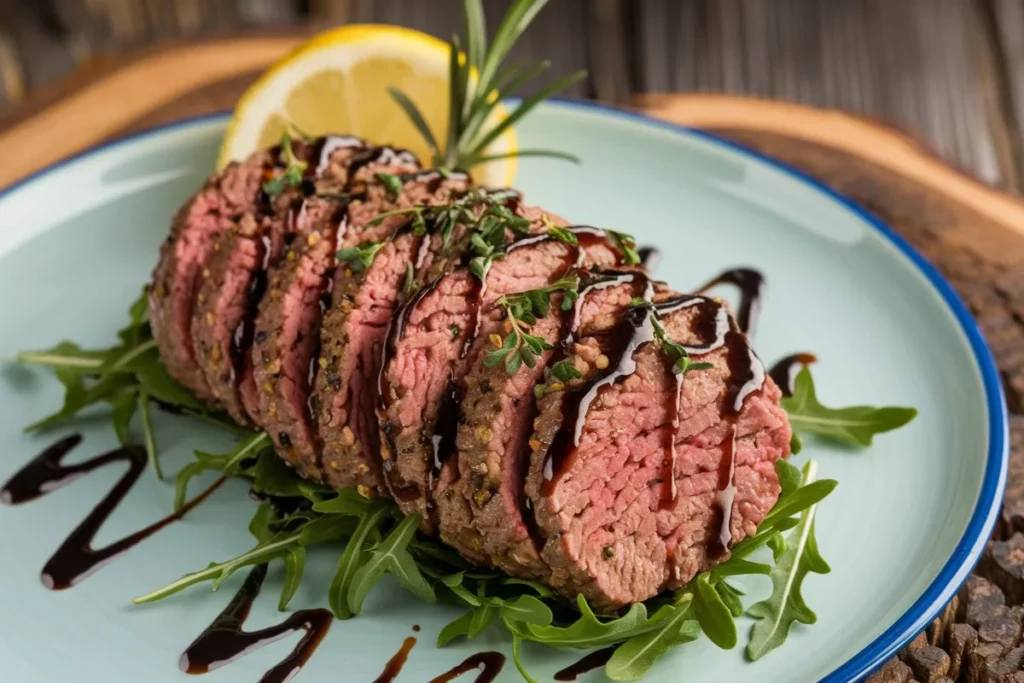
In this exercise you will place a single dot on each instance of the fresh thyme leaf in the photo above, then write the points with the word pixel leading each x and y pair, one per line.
pixel 391 556
pixel 564 371
pixel 854 425
pixel 521 310
pixel 292 174
pixel 627 244
pixel 392 182
pixel 564 235
pixel 786 604
pixel 795 444
pixel 351 560
pixel 359 258
pixel 633 659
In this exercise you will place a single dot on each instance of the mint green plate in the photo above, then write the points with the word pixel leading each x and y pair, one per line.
pixel 901 532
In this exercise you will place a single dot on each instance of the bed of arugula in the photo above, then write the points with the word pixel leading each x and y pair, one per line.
pixel 374 539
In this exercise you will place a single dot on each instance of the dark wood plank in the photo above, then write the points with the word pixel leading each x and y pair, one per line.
pixel 898 61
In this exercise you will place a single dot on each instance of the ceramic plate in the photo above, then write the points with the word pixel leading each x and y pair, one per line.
pixel 901 532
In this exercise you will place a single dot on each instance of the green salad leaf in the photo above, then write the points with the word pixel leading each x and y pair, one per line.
pixel 855 425
pixel 786 605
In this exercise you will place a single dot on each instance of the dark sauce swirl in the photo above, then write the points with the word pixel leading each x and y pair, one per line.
pixel 76 559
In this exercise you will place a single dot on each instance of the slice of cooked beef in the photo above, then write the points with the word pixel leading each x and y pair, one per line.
pixel 436 339
pixel 287 329
pixel 226 199
pixel 495 524
pixel 641 477
pixel 355 325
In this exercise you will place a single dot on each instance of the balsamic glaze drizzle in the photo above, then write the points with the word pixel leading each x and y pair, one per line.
pixel 489 663
pixel 785 371
pixel 650 258
pixel 751 285
pixel 76 559
pixel 633 332
pixel 589 662
pixel 395 664
pixel 224 641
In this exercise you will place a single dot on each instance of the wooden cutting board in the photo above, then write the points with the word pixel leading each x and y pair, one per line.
pixel 973 233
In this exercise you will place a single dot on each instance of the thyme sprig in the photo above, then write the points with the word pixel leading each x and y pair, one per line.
pixel 478 81
pixel 682 362
pixel 485 214
pixel 293 171
pixel 360 257
pixel 521 311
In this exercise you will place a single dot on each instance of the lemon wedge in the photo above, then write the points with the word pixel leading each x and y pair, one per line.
pixel 337 82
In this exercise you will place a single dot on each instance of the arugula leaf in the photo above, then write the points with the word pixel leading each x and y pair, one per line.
pixel 294 567
pixel 714 616
pixel 391 556
pixel 588 631
pixel 786 605
pixel 148 438
pixel 854 425
pixel 272 477
pixel 731 598
pixel 517 643
pixel 526 609
pixel 229 463
pixel 454 629
pixel 633 659
pixel 123 405
pixel 353 557
pixel 359 258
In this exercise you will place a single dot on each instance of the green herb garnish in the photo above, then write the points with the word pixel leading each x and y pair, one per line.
pixel 626 244
pixel 682 363
pixel 854 425
pixel 359 258
pixel 478 82
pixel 798 557
pixel 292 174
pixel 392 183
pixel 521 311
pixel 564 235
pixel 565 371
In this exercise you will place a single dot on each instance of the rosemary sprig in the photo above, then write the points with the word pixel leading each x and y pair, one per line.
pixel 292 174
pixel 521 311
pixel 478 82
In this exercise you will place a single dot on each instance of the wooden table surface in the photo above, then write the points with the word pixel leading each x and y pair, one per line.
pixel 950 76
pixel 950 71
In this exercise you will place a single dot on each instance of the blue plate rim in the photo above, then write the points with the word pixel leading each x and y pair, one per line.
pixel 968 550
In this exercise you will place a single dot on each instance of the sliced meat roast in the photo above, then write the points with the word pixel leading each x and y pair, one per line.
pixel 287 328
pixel 226 200
pixel 641 476
pixel 437 336
pixel 364 297
pixel 357 308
